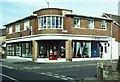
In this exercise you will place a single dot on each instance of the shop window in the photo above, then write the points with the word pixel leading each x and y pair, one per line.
pixel 26 49
pixel 18 49
pixel 10 50
pixel 81 49
pixel 105 48
pixel 42 49
pixel 62 51
pixel 85 49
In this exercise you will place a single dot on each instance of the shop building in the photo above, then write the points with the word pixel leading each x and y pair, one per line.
pixel 55 33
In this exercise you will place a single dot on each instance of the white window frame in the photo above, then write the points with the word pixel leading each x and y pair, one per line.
pixel 51 27
pixel 10 30
pixel 77 25
pixel 26 24
pixel 17 28
pixel 104 22
pixel 90 26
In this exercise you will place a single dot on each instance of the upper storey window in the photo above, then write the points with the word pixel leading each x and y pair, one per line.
pixel 76 22
pixel 17 28
pixel 91 24
pixel 10 30
pixel 103 24
pixel 26 25
pixel 50 22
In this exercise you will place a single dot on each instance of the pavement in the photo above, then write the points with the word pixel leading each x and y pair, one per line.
pixel 23 64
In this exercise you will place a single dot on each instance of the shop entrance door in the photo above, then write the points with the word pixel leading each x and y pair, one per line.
pixel 53 52
pixel 95 49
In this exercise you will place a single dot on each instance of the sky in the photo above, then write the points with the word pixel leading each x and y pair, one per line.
pixel 13 10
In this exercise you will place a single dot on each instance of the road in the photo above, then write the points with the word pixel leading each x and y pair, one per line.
pixel 44 72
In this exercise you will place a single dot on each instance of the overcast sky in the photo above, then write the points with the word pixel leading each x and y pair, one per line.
pixel 16 9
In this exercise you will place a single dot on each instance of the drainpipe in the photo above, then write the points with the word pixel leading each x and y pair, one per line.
pixel 111 41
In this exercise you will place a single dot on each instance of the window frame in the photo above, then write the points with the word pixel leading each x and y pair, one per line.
pixel 17 27
pixel 26 25
pixel 104 22
pixel 89 25
pixel 10 30
pixel 77 25
pixel 45 26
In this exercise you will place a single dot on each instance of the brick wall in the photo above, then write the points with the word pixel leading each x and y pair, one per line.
pixel 84 30
pixel 68 24
pixel 23 32
pixel 49 12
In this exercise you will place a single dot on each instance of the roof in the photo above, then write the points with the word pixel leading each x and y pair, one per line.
pixel 114 17
pixel 51 8
pixel 25 18
pixel 3 44
pixel 83 16
pixel 3 32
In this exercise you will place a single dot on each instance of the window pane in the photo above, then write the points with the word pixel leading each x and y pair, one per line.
pixel 41 22
pixel 56 22
pixel 17 28
pixel 48 22
pixel 76 22
pixel 53 22
pixel 26 25
pixel 27 45
pixel 23 48
pixel 103 24
pixel 60 22
pixel 91 23
pixel 10 29
pixel 44 23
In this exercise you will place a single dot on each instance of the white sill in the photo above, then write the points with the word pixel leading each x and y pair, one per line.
pixel 50 28
pixel 76 27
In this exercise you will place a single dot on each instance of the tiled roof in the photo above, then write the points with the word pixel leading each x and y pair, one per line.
pixel 114 17
pixel 83 16
pixel 25 18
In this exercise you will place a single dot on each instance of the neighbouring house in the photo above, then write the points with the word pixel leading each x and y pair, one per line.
pixel 2 43
pixel 115 32
pixel 54 33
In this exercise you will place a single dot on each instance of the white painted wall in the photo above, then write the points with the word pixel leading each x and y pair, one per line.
pixel 119 48
pixel 115 49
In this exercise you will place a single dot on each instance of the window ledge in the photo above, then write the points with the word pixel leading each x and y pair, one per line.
pixel 64 31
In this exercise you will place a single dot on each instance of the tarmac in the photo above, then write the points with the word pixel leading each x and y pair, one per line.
pixel 25 64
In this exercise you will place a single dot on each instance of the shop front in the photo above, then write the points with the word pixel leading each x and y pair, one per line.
pixel 21 49
pixel 51 49
pixel 59 47
pixel 89 49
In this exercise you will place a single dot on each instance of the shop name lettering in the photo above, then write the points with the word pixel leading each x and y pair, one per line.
pixel 96 38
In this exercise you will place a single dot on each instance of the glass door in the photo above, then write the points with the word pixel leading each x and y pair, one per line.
pixel 53 52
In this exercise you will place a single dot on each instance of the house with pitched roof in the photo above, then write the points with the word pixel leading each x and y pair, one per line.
pixel 115 32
